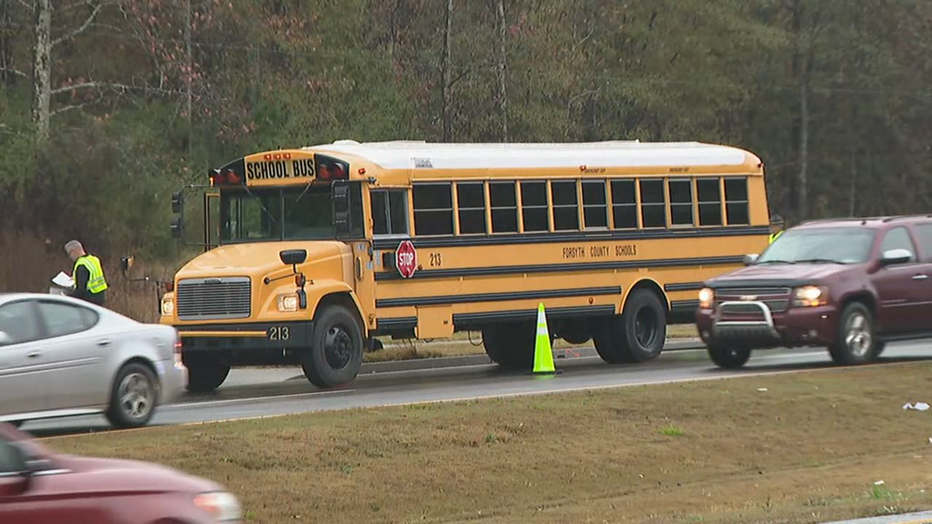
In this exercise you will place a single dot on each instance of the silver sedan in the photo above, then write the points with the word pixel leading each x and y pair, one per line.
pixel 61 356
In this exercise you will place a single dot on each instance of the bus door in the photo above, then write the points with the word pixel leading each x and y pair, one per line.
pixel 349 226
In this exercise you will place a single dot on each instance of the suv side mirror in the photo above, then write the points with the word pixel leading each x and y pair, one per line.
pixel 293 257
pixel 750 259
pixel 894 257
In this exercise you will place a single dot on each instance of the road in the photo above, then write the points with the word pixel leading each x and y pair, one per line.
pixel 269 392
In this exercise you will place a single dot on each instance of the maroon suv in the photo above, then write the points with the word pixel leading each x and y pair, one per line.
pixel 851 285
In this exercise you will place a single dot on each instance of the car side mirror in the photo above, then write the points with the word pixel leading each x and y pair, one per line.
pixel 894 257
pixel 293 257
pixel 750 259
pixel 5 339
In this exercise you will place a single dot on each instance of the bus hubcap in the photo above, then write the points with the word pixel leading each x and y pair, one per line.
pixel 645 327
pixel 338 348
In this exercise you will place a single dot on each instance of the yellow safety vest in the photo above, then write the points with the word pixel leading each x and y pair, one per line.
pixel 95 282
pixel 775 236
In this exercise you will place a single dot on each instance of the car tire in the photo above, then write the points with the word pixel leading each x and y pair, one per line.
pixel 729 357
pixel 638 334
pixel 205 372
pixel 133 397
pixel 335 355
pixel 856 341
pixel 511 346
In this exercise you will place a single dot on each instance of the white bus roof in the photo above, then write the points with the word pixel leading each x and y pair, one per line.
pixel 412 154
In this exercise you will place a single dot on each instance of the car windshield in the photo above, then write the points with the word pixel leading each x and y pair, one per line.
pixel 276 214
pixel 830 245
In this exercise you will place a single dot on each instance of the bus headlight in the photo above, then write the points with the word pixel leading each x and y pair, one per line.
pixel 287 303
pixel 811 296
pixel 706 298
pixel 168 306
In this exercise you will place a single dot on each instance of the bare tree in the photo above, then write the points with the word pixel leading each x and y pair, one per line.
pixel 446 66
pixel 500 69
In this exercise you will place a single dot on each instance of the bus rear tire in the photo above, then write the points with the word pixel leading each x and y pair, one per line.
pixel 638 334
pixel 511 346
pixel 335 355
pixel 205 372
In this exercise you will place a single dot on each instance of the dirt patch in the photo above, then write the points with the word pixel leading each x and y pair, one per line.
pixel 805 447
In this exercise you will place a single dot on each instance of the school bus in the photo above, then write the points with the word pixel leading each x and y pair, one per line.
pixel 323 248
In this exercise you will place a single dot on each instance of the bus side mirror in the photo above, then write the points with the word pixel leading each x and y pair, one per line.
pixel 177 227
pixel 293 257
pixel 177 202
pixel 127 263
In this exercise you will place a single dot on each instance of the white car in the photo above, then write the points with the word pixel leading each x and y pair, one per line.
pixel 61 356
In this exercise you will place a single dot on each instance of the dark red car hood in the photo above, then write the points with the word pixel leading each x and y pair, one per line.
pixel 780 274
pixel 93 475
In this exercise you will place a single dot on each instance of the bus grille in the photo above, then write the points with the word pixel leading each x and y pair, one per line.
pixel 213 298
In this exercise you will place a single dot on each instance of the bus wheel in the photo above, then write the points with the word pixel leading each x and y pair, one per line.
pixel 511 346
pixel 335 355
pixel 205 372
pixel 638 334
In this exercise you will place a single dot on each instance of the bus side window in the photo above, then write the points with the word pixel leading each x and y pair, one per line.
pixel 653 203
pixel 389 212
pixel 595 211
pixel 470 201
pixel 565 205
pixel 534 206
pixel 624 204
pixel 433 209
pixel 504 207
pixel 710 201
pixel 736 201
pixel 681 202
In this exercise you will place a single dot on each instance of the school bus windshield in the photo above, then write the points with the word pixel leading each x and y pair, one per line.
pixel 276 214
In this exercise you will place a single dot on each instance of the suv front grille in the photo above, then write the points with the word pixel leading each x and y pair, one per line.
pixel 776 298
pixel 213 298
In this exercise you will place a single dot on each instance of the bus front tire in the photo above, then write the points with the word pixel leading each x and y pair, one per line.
pixel 205 372
pixel 335 355
pixel 638 334
pixel 511 346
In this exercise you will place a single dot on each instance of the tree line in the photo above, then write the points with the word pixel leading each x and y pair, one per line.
pixel 109 105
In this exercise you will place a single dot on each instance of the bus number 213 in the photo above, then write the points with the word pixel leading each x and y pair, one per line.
pixel 436 260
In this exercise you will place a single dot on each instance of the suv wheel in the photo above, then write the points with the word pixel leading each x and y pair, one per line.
pixel 729 357
pixel 855 342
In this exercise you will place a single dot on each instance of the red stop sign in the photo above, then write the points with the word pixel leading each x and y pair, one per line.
pixel 406 259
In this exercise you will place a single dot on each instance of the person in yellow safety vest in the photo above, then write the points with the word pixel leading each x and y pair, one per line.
pixel 88 275
pixel 776 227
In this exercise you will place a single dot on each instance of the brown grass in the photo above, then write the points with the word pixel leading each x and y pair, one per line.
pixel 806 450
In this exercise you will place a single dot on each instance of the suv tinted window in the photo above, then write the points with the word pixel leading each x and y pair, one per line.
pixel 898 239
pixel 18 322
pixel 65 319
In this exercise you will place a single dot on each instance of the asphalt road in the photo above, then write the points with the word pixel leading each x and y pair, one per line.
pixel 269 392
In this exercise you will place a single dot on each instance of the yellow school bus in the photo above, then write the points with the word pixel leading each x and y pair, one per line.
pixel 321 249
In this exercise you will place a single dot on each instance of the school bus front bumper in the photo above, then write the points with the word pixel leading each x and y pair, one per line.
pixel 270 337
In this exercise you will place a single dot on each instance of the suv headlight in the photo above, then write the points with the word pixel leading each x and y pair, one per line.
pixel 810 296
pixel 220 505
pixel 168 306
pixel 706 298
